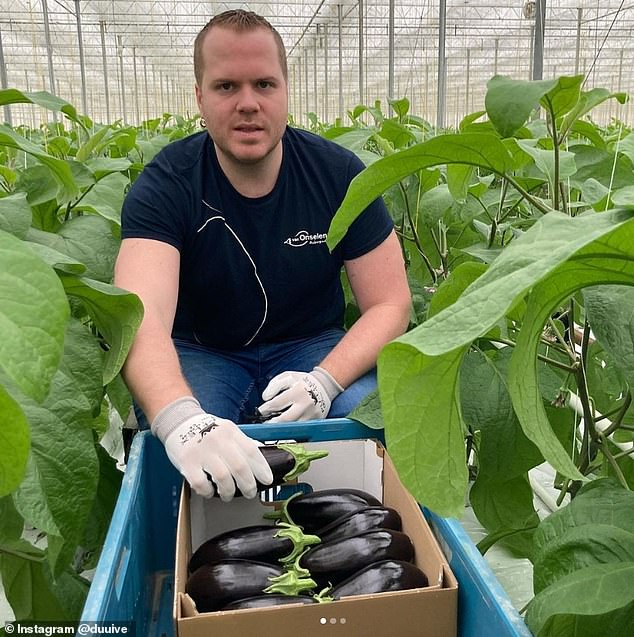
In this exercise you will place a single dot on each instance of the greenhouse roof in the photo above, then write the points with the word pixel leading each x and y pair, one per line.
pixel 135 56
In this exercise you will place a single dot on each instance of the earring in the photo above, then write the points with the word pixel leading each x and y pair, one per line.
pixel 203 123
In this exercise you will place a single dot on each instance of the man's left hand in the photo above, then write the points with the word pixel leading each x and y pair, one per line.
pixel 293 396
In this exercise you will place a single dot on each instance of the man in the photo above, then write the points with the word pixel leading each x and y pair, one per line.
pixel 224 241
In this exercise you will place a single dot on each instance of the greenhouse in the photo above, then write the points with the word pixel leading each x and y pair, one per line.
pixel 133 60
pixel 316 318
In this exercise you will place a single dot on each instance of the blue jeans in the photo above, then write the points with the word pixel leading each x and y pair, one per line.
pixel 229 384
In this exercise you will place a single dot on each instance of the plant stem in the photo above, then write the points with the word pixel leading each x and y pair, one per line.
pixel 545 359
pixel 616 423
pixel 552 127
pixel 541 206
pixel 613 463
pixel 498 215
pixel 22 555
pixel 416 238
pixel 589 430
pixel 563 491
pixel 562 340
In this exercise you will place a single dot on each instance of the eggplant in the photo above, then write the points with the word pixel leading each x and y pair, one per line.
pixel 263 601
pixel 381 577
pixel 312 511
pixel 216 585
pixel 366 519
pixel 335 561
pixel 261 543
pixel 287 461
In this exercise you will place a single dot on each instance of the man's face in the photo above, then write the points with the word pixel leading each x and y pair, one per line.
pixel 243 94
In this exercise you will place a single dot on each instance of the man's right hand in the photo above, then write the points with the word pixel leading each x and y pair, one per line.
pixel 209 451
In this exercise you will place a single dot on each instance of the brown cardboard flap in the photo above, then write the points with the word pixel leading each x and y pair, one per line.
pixel 187 606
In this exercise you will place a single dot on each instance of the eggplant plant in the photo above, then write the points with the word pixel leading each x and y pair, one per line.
pixel 518 234
pixel 66 331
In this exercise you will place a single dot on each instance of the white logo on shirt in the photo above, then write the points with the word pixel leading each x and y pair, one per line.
pixel 303 237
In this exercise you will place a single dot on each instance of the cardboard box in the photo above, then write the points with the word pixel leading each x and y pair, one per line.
pixel 359 464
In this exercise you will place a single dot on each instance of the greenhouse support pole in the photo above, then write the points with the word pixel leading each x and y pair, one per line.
pixel 82 61
pixel 145 86
pixel 326 97
pixel 442 66
pixel 538 47
pixel 390 54
pixel 306 102
pixel 4 82
pixel 136 87
pixel 121 80
pixel 315 88
pixel 578 46
pixel 497 53
pixel 468 83
pixel 361 11
pixel 49 53
pixel 530 52
pixel 162 92
pixel 340 34
pixel 300 92
pixel 102 30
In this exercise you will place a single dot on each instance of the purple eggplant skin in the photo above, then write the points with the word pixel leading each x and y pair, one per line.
pixel 247 543
pixel 381 577
pixel 216 585
pixel 312 511
pixel 335 561
pixel 268 599
pixel 366 519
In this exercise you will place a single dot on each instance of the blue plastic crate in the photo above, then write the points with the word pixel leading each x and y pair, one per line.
pixel 134 578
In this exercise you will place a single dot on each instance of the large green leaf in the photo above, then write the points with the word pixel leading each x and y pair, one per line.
pixel 15 214
pixel 418 371
pixel 545 161
pixel 552 240
pixel 57 260
pixel 607 259
pixel 41 98
pixel 610 312
pixel 21 579
pixel 581 546
pixel 423 429
pixel 602 501
pixel 509 102
pixel 587 101
pixel 103 506
pixel 14 443
pixel 613 172
pixel 60 168
pixel 435 203
pixel 594 590
pixel 106 198
pixel 87 239
pixel 59 487
pixel 474 149
pixel 501 496
pixel 33 315
pixel 91 145
pixel 116 313
pixel 103 166
pixel 368 411
pixel 564 96
pixel 38 183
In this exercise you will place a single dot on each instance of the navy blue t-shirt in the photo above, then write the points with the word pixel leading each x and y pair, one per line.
pixel 253 270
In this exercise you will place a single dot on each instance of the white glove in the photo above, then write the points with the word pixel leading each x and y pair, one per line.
pixel 299 396
pixel 208 450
